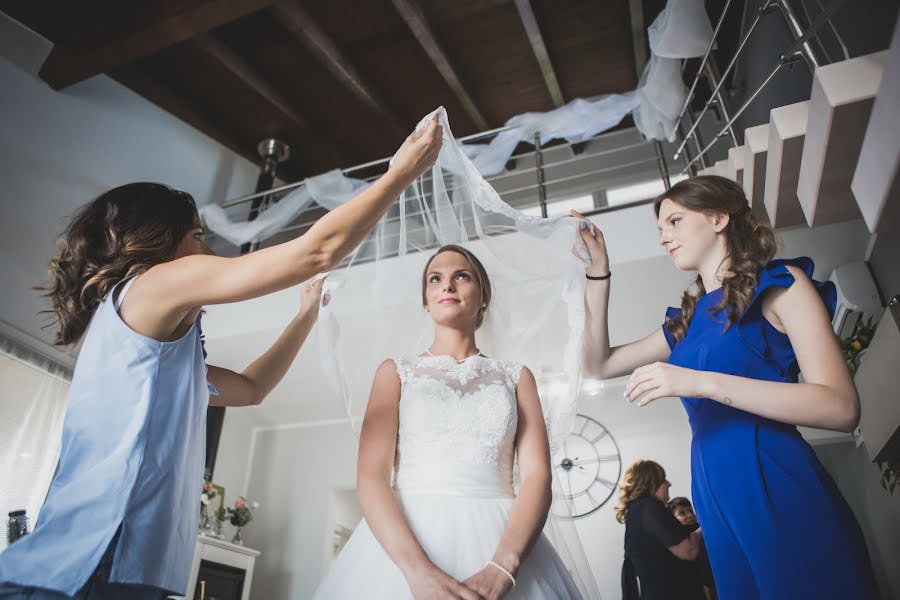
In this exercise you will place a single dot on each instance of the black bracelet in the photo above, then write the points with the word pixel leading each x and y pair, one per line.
pixel 607 276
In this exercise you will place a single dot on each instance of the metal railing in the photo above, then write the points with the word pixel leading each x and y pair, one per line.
pixel 801 50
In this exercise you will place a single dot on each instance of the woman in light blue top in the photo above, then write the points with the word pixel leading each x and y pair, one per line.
pixel 130 282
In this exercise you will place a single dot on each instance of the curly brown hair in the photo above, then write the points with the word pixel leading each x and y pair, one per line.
pixel 481 277
pixel 641 480
pixel 749 243
pixel 122 233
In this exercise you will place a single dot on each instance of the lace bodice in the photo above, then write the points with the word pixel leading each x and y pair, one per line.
pixel 457 422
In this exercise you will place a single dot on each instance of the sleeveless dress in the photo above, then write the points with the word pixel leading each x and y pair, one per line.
pixel 130 467
pixel 774 523
pixel 453 478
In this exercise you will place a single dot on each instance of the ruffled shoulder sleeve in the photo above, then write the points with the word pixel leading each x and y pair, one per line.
pixel 752 324
pixel 671 314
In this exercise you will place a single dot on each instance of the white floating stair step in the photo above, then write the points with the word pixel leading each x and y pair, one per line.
pixel 736 164
pixel 876 183
pixel 707 171
pixel 839 107
pixel 787 130
pixel 756 146
pixel 721 168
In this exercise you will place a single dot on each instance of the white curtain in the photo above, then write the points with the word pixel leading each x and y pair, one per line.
pixel 32 407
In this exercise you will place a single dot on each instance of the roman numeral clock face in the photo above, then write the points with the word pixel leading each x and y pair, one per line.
pixel 588 465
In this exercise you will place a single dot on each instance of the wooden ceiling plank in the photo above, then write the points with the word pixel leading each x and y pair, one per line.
pixel 533 30
pixel 414 18
pixel 247 74
pixel 309 33
pixel 114 44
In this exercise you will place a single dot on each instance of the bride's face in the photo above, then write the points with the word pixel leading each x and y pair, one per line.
pixel 451 290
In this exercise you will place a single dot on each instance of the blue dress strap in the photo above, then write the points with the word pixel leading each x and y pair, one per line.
pixel 672 313
pixel 752 325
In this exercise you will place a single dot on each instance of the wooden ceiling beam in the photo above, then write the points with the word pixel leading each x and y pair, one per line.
pixel 115 43
pixel 238 67
pixel 414 18
pixel 533 30
pixel 309 33
pixel 241 69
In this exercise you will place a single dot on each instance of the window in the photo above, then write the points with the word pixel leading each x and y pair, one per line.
pixel 556 208
pixel 639 191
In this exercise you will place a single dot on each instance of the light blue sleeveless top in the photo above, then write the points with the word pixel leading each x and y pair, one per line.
pixel 133 450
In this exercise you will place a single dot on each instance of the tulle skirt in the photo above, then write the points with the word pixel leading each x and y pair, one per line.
pixel 460 536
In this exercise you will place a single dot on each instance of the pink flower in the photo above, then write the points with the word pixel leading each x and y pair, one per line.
pixel 240 503
pixel 207 486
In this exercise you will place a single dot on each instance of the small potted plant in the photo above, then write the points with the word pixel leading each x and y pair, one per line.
pixel 239 516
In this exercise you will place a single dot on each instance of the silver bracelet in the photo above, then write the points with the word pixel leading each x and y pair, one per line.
pixel 504 571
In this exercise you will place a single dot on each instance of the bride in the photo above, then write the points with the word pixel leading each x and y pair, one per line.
pixel 435 467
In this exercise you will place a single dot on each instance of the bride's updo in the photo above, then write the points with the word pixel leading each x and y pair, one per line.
pixel 478 270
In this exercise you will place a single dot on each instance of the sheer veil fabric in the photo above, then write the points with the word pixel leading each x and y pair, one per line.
pixel 535 317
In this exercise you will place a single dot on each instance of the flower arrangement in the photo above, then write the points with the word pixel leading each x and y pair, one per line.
pixel 855 345
pixel 207 493
pixel 240 515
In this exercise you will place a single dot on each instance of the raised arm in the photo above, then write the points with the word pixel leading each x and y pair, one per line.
pixel 600 361
pixel 253 384
pixel 529 511
pixel 203 280
pixel 382 510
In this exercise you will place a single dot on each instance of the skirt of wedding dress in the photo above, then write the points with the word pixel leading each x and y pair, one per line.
pixel 460 536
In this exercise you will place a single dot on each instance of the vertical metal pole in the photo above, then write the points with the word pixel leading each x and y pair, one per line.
pixel 688 163
pixel 698 141
pixel 539 164
pixel 272 153
pixel 713 76
pixel 661 161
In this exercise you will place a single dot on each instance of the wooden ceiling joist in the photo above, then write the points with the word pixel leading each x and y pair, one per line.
pixel 414 18
pixel 305 29
pixel 117 42
pixel 533 30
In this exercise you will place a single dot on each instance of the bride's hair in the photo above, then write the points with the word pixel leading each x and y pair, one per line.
pixel 749 244
pixel 481 276
pixel 641 480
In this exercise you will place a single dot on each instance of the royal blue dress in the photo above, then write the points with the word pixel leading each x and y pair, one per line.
pixel 774 523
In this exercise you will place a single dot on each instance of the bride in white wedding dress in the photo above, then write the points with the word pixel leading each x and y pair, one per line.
pixel 435 467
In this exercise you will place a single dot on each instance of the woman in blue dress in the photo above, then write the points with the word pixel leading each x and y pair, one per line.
pixel 774 522
pixel 129 284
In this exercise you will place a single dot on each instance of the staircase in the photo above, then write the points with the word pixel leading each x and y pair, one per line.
pixel 833 158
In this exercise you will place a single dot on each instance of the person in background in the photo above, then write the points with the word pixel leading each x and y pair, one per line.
pixel 683 510
pixel 659 551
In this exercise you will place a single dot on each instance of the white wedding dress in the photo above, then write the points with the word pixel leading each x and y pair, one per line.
pixel 453 475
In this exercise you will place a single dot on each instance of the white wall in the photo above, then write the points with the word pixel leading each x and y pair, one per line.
pixel 59 150
pixel 876 510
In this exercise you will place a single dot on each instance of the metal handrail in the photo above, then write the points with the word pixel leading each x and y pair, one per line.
pixel 712 42
pixel 799 51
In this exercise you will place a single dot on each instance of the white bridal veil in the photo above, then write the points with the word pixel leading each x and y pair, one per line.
pixel 536 314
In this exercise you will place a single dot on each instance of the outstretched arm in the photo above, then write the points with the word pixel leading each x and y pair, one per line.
pixel 256 381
